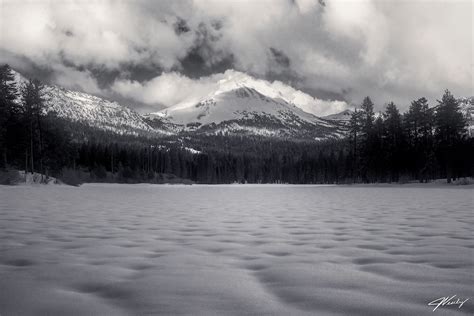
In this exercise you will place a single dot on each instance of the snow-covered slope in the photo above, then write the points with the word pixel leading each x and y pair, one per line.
pixel 91 110
pixel 94 111
pixel 343 117
pixel 246 110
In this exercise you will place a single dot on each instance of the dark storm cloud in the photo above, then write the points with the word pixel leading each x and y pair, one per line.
pixel 180 26
pixel 204 57
pixel 26 66
pixel 280 58
pixel 333 49
pixel 195 65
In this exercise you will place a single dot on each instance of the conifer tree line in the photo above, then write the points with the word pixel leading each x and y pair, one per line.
pixel 30 139
pixel 422 144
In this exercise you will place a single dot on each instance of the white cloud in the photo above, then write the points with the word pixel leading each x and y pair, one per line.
pixel 104 33
pixel 391 50
pixel 168 89
pixel 307 6
pixel 77 80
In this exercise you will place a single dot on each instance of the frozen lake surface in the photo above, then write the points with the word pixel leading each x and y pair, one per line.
pixel 235 250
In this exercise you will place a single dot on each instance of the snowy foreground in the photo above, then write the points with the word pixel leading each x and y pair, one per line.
pixel 233 250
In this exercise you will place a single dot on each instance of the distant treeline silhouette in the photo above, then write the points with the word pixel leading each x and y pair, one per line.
pixel 422 144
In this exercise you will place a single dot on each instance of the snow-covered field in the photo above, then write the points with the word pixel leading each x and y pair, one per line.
pixel 235 250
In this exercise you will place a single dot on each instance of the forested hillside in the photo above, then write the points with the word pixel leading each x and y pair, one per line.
pixel 427 142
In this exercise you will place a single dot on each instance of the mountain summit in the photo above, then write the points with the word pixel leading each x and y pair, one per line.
pixel 244 110
pixel 233 80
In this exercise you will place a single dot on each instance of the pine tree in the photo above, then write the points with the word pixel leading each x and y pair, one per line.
pixel 33 107
pixel 380 163
pixel 450 123
pixel 368 155
pixel 418 124
pixel 393 139
pixel 368 116
pixel 355 129
pixel 450 129
pixel 418 121
pixel 8 94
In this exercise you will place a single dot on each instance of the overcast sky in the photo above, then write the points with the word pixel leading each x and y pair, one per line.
pixel 154 54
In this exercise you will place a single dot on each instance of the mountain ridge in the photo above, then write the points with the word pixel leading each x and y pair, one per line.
pixel 231 109
pixel 235 110
pixel 91 110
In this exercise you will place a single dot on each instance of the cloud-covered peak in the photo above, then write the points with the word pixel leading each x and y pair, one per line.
pixel 178 91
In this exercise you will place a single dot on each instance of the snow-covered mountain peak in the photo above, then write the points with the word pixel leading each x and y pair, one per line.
pixel 278 90
pixel 233 80
pixel 226 105
pixel 246 110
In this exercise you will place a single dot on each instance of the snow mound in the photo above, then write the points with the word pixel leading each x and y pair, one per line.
pixel 20 177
